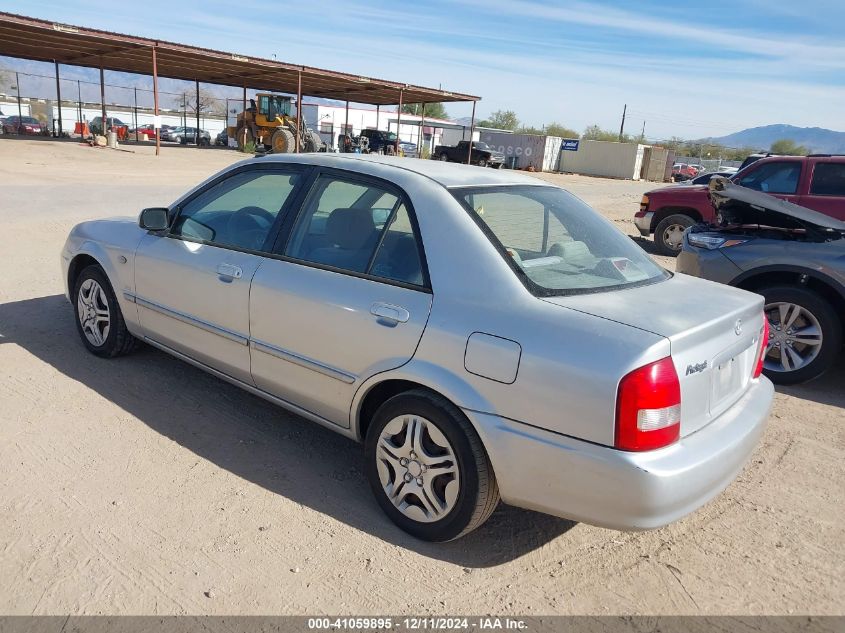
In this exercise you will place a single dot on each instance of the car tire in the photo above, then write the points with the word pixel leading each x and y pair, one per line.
pixel 93 298
pixel 421 432
pixel 482 163
pixel 814 313
pixel 444 157
pixel 669 231
pixel 177 139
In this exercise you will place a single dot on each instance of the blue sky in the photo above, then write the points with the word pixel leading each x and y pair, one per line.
pixel 706 69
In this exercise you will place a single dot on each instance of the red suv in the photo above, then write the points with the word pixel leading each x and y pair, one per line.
pixel 816 182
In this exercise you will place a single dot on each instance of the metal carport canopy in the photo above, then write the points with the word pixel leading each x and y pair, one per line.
pixel 42 40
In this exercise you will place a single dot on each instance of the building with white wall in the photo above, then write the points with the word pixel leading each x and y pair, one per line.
pixel 329 121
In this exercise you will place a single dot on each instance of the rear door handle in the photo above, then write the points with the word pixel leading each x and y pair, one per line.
pixel 230 270
pixel 390 312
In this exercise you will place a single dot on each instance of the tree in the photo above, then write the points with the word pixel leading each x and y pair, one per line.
pixel 529 130
pixel 595 133
pixel 556 129
pixel 788 147
pixel 432 110
pixel 502 120
pixel 208 103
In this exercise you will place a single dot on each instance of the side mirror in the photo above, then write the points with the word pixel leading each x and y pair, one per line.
pixel 154 219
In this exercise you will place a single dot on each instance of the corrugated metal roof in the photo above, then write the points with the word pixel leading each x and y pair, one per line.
pixel 42 40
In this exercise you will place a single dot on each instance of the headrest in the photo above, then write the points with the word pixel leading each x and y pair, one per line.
pixel 350 228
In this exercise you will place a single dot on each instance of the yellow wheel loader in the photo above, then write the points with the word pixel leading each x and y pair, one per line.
pixel 268 122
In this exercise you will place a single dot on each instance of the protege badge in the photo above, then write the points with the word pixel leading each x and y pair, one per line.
pixel 694 369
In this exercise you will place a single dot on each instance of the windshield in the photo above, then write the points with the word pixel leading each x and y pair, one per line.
pixel 555 242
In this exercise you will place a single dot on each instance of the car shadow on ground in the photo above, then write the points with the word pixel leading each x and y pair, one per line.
pixel 826 389
pixel 647 245
pixel 252 438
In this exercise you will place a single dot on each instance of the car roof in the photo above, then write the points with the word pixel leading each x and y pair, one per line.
pixel 446 174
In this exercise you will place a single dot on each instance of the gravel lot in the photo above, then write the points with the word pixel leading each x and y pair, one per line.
pixel 144 486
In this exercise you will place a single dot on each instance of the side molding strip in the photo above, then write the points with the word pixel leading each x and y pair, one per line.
pixel 190 320
pixel 260 346
pixel 307 363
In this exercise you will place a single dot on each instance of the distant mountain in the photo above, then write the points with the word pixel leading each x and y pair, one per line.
pixel 816 139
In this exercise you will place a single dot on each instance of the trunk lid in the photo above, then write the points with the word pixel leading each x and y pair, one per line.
pixel 713 331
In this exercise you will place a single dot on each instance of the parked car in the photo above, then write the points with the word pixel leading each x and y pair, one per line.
pixel 482 154
pixel 505 342
pixel 408 149
pixel 753 158
pixel 682 171
pixel 185 135
pixel 112 123
pixel 26 125
pixel 172 133
pixel 148 129
pixel 810 181
pixel 794 257
pixel 222 138
pixel 704 179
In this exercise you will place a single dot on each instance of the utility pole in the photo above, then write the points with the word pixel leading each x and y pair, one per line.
pixel 58 99
pixel 197 135
pixel 135 112
pixel 642 134
pixel 18 89
pixel 622 127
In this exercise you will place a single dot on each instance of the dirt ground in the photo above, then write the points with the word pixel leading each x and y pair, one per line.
pixel 144 486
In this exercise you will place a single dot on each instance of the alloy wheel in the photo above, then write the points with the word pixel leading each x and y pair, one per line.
pixel 795 337
pixel 417 468
pixel 93 312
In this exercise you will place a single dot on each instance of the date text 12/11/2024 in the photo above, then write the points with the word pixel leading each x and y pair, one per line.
pixel 417 623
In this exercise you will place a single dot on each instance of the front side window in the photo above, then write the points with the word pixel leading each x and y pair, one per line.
pixel 238 212
pixel 357 227
pixel 555 242
pixel 828 179
pixel 774 177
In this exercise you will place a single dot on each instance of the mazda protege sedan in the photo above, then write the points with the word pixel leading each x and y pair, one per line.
pixel 484 334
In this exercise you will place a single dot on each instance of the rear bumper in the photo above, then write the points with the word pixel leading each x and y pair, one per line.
pixel 643 223
pixel 562 476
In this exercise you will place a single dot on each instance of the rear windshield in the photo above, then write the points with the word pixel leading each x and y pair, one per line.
pixel 555 242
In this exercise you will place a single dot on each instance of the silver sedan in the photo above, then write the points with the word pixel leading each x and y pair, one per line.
pixel 485 335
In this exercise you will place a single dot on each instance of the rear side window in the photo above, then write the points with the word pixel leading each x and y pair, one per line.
pixel 775 177
pixel 828 179
pixel 357 227
pixel 398 256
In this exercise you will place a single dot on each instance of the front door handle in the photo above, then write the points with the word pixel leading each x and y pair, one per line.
pixel 390 312
pixel 230 270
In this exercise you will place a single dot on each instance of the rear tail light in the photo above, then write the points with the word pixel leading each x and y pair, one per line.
pixel 644 204
pixel 764 342
pixel 648 407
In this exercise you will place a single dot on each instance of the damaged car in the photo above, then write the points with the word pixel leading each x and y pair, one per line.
pixel 793 256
